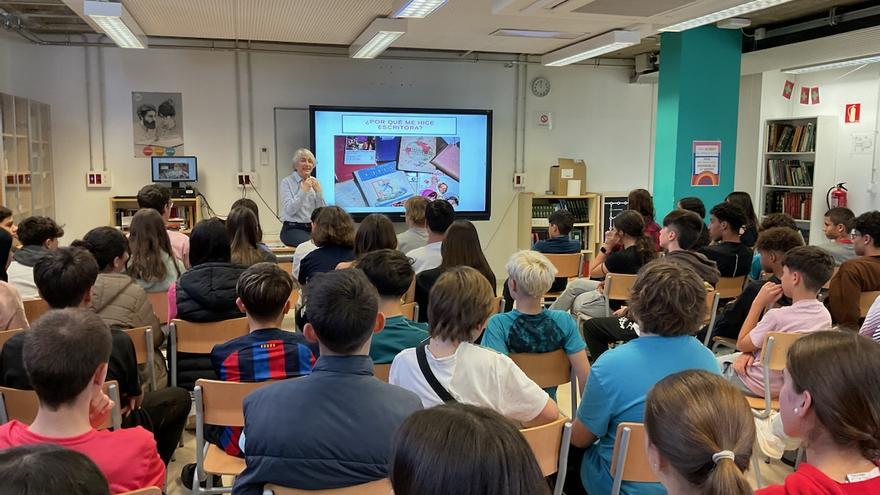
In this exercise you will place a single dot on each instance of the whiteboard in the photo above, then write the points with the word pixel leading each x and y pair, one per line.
pixel 292 132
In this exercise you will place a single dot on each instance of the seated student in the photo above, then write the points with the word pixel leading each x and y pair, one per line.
pixel 340 401
pixel 461 302
pixel 158 198
pixel 460 247
pixel 857 275
pixel 462 449
pixel 681 230
pixel 11 308
pixel 733 257
pixel 68 385
pixel 641 201
pixel 304 248
pixel 152 263
pixel 375 232
pixel 439 215
pixel 700 434
pixel 243 230
pixel 416 233
pixel 23 470
pixel 7 221
pixel 836 228
pixel 391 274
pixel 584 295
pixel 530 328
pixel 871 326
pixel 334 236
pixel 749 230
pixel 694 204
pixel 770 221
pixel 662 303
pixel 804 271
pixel 252 205
pixel 38 236
pixel 831 401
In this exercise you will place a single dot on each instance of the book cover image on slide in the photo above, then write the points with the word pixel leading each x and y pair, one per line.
pixel 384 185
pixel 434 185
pixel 448 159
pixel 416 153
pixel 348 194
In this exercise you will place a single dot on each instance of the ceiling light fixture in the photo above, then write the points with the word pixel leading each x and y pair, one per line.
pixel 536 33
pixel 738 10
pixel 415 8
pixel 593 47
pixel 116 22
pixel 870 59
pixel 377 37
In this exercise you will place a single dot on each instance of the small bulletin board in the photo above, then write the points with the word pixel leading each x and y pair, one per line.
pixel 612 205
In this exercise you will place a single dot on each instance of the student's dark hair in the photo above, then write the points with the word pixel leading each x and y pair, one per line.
pixel 867 223
pixel 250 205
pixel 342 307
pixel 460 300
pixel 24 471
pixel 730 213
pixel 105 243
pixel 61 352
pixel 694 204
pixel 778 220
pixel 6 242
pixel 779 239
pixel 470 450
pixel 5 213
pixel 563 220
pixel 64 276
pixel 744 201
pixel 317 211
pixel 264 288
pixel 692 415
pixel 686 225
pixel 664 296
pixel 34 231
pixel 461 247
pixel 209 242
pixel 838 216
pixel 632 223
pixel 813 263
pixel 244 234
pixel 148 239
pixel 641 201
pixel 439 215
pixel 333 227
pixel 841 370
pixel 155 197
pixel 375 232
pixel 389 270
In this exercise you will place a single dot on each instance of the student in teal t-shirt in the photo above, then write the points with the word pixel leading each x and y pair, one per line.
pixel 392 274
pixel 662 303
pixel 530 328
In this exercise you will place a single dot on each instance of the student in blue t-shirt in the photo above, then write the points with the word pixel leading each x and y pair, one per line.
pixel 391 272
pixel 530 328
pixel 662 303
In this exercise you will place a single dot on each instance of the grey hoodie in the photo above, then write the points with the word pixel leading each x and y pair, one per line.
pixel 707 269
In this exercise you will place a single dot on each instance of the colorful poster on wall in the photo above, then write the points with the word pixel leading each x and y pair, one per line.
pixel 157 120
pixel 707 159
pixel 787 89
pixel 805 96
pixel 814 95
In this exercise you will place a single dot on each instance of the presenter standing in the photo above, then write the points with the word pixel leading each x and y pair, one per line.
pixel 300 193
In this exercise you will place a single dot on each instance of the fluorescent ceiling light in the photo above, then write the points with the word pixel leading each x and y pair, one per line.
pixel 377 37
pixel 593 47
pixel 871 59
pixel 741 9
pixel 415 8
pixel 116 22
pixel 535 33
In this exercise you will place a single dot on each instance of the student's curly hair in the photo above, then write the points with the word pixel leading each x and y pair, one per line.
pixel 779 239
pixel 867 223
pixel 664 297
pixel 333 227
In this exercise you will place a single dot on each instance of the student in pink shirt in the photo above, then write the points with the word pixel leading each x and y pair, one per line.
pixel 159 199
pixel 805 270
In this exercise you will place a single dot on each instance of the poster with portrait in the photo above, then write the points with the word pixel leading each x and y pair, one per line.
pixel 157 120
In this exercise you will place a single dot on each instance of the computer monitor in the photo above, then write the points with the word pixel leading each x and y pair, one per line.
pixel 174 169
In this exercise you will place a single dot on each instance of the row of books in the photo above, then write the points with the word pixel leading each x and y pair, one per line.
pixel 577 207
pixel 789 173
pixel 796 204
pixel 791 138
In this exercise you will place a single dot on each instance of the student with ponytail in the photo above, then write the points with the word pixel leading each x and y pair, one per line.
pixel 700 435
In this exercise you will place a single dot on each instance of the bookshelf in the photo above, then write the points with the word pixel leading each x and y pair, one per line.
pixel 534 210
pixel 797 169
pixel 185 213
pixel 26 157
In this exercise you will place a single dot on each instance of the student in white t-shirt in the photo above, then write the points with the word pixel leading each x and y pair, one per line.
pixel 306 247
pixel 461 301
pixel 439 215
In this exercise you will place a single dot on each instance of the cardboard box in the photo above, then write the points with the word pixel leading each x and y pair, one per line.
pixel 565 170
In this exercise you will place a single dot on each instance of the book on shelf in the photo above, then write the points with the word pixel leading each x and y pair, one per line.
pixel 788 138
pixel 796 204
pixel 789 173
pixel 578 208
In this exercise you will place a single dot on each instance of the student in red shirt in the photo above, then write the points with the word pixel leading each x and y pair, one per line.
pixel 831 400
pixel 66 354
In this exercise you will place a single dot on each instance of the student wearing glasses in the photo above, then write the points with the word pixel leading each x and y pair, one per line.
pixel 857 275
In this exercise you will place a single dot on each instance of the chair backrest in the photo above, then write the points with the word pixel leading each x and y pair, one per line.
pixel 629 448
pixel 202 337
pixel 287 266
pixel 22 405
pixel 293 298
pixel 139 337
pixel 618 286
pixel 775 351
pixel 567 265
pixel 546 442
pixel 378 487
pixel 150 490
pixel 223 402
pixel 499 305
pixel 410 310
pixel 382 371
pixel 712 297
pixel 730 287
pixel 34 308
pixel 866 299
pixel 8 334
pixel 547 369
pixel 159 302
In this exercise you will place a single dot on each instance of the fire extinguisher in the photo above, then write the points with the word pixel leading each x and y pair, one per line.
pixel 836 196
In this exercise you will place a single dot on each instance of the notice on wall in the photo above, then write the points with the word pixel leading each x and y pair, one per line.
pixel 862 144
pixel 707 159
pixel 157 119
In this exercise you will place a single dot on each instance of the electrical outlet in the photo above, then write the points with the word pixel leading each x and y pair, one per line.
pixel 264 156
pixel 98 180
pixel 245 179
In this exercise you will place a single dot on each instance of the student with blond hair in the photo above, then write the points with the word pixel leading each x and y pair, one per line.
pixel 416 234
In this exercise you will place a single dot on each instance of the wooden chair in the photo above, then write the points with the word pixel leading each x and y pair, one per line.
pixel 773 357
pixel 712 299
pixel 549 369
pixel 378 487
pixel 382 371
pixel 8 334
pixel 410 310
pixel 34 308
pixel 22 405
pixel 159 302
pixel 618 287
pixel 287 266
pixel 550 445
pixel 866 299
pixel 150 490
pixel 730 287
pixel 629 462
pixel 200 338
pixel 499 306
pixel 142 338
pixel 293 298
pixel 567 265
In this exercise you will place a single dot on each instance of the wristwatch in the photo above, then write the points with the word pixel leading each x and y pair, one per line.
pixel 603 250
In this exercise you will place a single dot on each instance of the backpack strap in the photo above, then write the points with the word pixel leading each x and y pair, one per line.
pixel 422 357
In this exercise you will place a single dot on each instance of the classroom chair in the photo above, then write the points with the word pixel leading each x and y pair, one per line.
pixel 773 358
pixel 378 487
pixel 499 306
pixel 34 308
pixel 410 310
pixel 712 299
pixel 629 462
pixel 618 287
pixel 549 369
pixel 200 338
pixel 730 287
pixel 22 405
pixel 382 371
pixel 568 266
pixel 8 334
pixel 866 299
pixel 159 302
pixel 287 266
pixel 550 444
pixel 150 490
pixel 142 338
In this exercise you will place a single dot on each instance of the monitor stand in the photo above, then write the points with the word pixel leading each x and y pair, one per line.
pixel 182 192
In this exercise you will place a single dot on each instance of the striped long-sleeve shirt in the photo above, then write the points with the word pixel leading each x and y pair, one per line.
pixel 871 326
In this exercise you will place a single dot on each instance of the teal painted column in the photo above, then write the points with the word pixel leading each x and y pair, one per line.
pixel 697 100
